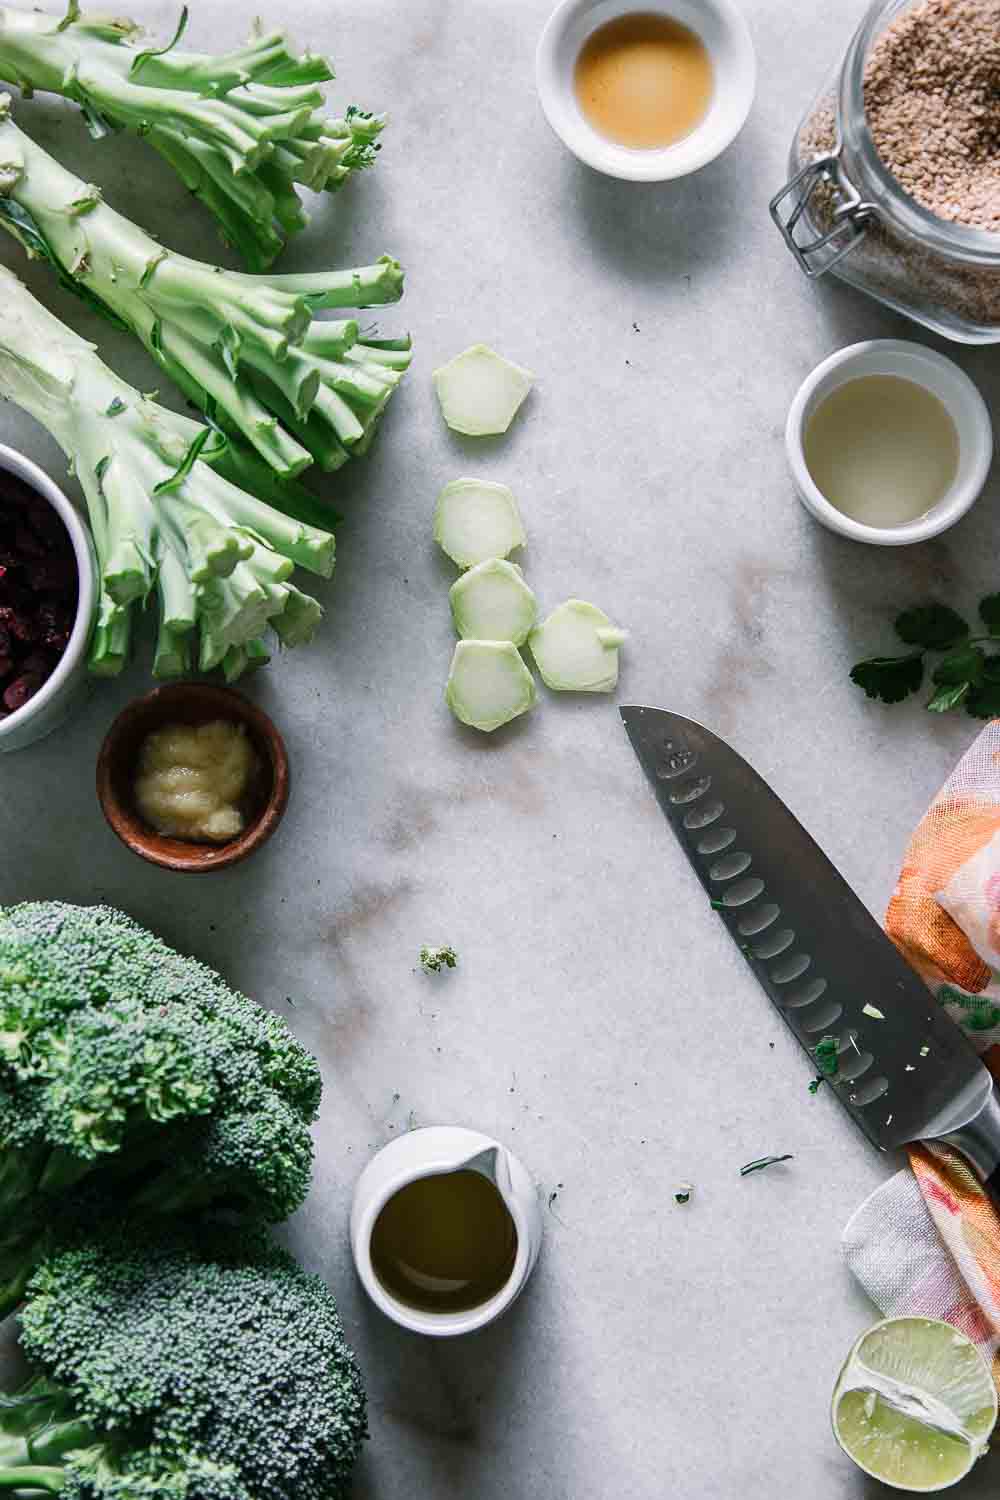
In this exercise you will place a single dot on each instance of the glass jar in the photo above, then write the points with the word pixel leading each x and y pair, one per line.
pixel 843 211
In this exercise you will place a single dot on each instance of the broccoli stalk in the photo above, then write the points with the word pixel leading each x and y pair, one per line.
pixel 241 130
pixel 39 1427
pixel 162 514
pixel 246 349
pixel 181 1366
pixel 130 1071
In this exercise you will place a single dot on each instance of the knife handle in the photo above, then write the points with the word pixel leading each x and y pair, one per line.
pixel 979 1143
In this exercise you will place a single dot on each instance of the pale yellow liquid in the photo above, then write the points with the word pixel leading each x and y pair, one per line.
pixel 881 449
pixel 644 80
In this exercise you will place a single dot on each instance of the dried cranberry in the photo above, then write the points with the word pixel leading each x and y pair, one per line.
pixel 47 525
pixel 27 542
pixel 22 626
pixel 52 574
pixel 38 664
pixel 14 596
pixel 20 690
pixel 55 624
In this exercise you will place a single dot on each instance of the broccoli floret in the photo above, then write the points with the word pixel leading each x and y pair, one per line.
pixel 131 1069
pixel 200 1366
pixel 433 960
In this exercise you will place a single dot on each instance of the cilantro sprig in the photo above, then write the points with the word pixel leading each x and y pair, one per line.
pixel 967 674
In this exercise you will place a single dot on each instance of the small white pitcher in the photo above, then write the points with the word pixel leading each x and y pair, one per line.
pixel 429 1152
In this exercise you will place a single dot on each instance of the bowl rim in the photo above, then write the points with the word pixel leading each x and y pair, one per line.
pixel 181 856
pixel 966 394
pixel 661 164
pixel 23 468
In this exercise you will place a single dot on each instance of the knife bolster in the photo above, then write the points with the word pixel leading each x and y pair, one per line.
pixel 979 1143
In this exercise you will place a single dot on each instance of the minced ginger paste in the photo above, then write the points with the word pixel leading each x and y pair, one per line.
pixel 192 779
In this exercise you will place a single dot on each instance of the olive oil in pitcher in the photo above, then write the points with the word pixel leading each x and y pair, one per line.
pixel 444 1243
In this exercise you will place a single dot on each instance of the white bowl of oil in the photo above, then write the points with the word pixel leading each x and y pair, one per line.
pixel 445 1230
pixel 646 91
pixel 888 442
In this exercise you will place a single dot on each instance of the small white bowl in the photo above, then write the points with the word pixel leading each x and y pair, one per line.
pixel 725 35
pixel 937 374
pixel 59 694
pixel 429 1152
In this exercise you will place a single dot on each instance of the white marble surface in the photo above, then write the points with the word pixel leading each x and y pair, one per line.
pixel 600 1021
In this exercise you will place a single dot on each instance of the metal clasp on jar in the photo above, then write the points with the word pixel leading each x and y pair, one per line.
pixel 849 215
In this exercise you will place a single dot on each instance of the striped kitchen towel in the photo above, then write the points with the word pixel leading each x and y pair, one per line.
pixel 928 1240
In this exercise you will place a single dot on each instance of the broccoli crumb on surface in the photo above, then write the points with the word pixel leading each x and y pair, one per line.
pixel 433 960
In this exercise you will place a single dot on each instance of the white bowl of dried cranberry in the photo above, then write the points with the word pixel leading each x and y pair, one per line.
pixel 48 597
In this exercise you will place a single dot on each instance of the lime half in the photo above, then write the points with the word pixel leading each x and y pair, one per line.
pixel 915 1404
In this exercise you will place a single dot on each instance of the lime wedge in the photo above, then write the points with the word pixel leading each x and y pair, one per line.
pixel 915 1404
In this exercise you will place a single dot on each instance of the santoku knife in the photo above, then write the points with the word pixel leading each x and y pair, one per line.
pixel 905 1072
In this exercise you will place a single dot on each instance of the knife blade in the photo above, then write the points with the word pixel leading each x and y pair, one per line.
pixel 905 1071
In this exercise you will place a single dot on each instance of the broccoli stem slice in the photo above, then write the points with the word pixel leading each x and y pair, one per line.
pixel 241 129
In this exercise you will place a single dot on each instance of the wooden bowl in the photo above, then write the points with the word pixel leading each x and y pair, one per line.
pixel 190 703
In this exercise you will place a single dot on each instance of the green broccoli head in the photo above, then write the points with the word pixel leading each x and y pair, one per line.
pixel 203 1365
pixel 127 1066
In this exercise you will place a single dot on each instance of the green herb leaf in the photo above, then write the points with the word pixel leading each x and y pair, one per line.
pixel 229 345
pixel 116 408
pixel 187 463
pixel 683 1193
pixel 24 228
pixel 979 1012
pixel 827 1051
pixel 890 678
pixel 150 267
pixel 935 626
pixel 989 613
pixel 964 665
pixel 948 697
pixel 143 57
pixel 814 1087
pixel 71 17
pixel 762 1162
pixel 87 201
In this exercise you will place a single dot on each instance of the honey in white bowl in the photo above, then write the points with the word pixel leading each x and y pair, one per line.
pixel 644 80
